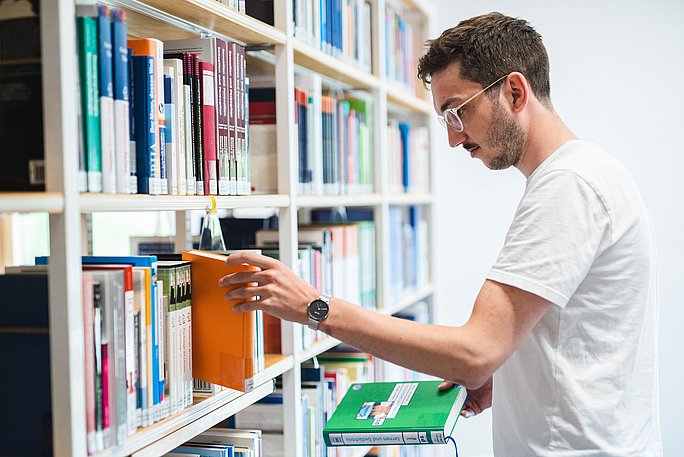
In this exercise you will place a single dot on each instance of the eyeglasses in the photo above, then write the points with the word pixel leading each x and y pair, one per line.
pixel 451 116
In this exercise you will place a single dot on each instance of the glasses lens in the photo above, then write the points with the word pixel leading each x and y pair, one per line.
pixel 454 121
pixel 442 122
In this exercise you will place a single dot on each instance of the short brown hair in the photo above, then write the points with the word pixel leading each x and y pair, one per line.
pixel 489 47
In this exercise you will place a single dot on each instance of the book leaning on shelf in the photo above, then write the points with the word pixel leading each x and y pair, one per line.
pixel 389 413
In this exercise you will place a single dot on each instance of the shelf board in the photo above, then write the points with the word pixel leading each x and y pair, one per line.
pixel 122 202
pixel 31 202
pixel 317 348
pixel 324 201
pixel 408 300
pixel 400 199
pixel 165 19
pixel 404 99
pixel 173 431
pixel 313 59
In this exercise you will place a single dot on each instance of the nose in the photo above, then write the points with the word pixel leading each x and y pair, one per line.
pixel 455 138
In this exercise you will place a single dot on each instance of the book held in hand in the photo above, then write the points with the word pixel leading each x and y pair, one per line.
pixel 392 413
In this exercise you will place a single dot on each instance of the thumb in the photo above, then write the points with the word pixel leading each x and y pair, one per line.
pixel 446 385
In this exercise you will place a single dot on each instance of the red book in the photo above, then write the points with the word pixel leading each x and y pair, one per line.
pixel 208 128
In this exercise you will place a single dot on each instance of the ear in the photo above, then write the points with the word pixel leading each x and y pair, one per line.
pixel 516 91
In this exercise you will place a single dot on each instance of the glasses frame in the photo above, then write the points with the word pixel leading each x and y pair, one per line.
pixel 454 111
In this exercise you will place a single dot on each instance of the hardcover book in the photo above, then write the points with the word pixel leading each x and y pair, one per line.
pixel 392 413
pixel 222 340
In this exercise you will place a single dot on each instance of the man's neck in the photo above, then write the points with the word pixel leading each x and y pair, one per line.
pixel 546 133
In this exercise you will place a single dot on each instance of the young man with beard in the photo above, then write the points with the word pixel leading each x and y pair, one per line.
pixel 562 336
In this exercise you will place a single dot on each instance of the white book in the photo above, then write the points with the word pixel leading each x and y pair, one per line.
pixel 171 128
pixel 179 124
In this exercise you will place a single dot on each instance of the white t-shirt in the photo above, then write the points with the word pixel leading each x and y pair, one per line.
pixel 584 381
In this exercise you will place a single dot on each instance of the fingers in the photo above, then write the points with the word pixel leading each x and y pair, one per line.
pixel 245 293
pixel 251 258
pixel 446 385
pixel 242 277
pixel 468 413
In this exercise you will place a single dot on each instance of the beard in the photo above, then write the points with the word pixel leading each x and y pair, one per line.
pixel 506 137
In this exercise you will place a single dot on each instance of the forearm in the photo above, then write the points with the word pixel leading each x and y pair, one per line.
pixel 451 353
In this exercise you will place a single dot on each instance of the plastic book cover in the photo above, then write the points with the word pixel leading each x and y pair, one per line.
pixel 384 413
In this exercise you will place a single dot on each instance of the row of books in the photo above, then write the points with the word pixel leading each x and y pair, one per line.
pixel 150 327
pixel 323 386
pixel 222 442
pixel 409 158
pixel 409 266
pixel 341 28
pixel 400 61
pixel 160 117
pixel 334 141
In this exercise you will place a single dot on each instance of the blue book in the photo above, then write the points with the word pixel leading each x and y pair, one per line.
pixel 106 83
pixel 404 130
pixel 145 121
pixel 125 182
pixel 205 450
pixel 26 418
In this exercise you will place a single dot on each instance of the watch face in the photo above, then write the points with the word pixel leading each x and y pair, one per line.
pixel 318 309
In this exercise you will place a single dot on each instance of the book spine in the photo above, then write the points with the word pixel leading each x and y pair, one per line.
pixel 89 363
pixel 119 296
pixel 105 60
pixel 208 129
pixel 99 374
pixel 88 72
pixel 121 104
pixel 145 124
pixel 197 108
pixel 132 149
pixel 171 135
pixel 241 127
pixel 384 438
pixel 129 352
pixel 190 179
pixel 158 55
pixel 223 168
pixel 232 119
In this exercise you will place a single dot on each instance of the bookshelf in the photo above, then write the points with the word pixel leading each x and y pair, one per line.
pixel 67 208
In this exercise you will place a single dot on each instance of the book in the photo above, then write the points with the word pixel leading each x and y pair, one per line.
pixel 222 340
pixel 86 28
pixel 391 413
pixel 26 419
pixel 126 182
pixel 21 105
pixel 150 89
pixel 106 81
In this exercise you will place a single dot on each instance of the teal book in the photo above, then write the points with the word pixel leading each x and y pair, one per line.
pixel 394 413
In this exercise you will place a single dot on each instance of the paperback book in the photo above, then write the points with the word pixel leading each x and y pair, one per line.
pixel 395 413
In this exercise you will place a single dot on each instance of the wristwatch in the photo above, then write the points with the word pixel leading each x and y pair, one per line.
pixel 318 310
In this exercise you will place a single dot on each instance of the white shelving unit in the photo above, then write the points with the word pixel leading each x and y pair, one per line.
pixel 166 19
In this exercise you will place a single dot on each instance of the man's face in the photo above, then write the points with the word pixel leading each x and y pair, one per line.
pixel 490 132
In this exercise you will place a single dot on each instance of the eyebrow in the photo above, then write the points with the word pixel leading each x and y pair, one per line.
pixel 448 102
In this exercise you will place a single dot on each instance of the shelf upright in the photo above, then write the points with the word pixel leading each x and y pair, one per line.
pixel 287 223
pixel 382 226
pixel 58 31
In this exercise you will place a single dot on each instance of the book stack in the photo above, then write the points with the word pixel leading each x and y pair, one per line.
pixel 223 442
pixel 400 61
pixel 138 339
pixel 409 158
pixel 341 28
pixel 409 268
pixel 160 117
pixel 328 258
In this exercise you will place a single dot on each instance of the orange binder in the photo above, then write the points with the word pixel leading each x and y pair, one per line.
pixel 222 340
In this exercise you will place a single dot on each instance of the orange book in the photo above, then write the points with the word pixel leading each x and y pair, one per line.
pixel 222 340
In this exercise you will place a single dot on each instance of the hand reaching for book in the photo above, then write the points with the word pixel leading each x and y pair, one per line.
pixel 478 399
pixel 280 291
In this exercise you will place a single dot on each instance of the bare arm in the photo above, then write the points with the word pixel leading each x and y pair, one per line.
pixel 502 316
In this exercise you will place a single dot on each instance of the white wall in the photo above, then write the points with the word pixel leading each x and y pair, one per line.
pixel 617 78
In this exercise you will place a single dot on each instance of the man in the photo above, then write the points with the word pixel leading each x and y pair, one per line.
pixel 563 332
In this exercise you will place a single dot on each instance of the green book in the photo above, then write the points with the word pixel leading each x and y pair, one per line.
pixel 391 413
